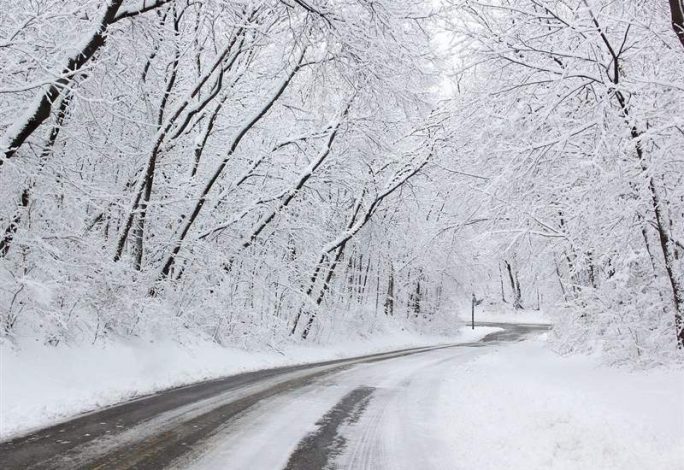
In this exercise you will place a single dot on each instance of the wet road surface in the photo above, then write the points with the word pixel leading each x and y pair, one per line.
pixel 175 427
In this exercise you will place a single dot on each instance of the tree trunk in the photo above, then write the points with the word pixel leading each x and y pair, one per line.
pixel 324 289
pixel 503 291
pixel 42 104
pixel 139 231
pixel 168 264
pixel 515 287
pixel 166 129
pixel 303 178
pixel 667 245
pixel 677 11
pixel 25 198
pixel 560 281
pixel 13 226
pixel 389 298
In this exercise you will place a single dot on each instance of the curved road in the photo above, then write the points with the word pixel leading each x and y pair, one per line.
pixel 293 417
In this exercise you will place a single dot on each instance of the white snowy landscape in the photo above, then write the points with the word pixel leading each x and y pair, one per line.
pixel 342 234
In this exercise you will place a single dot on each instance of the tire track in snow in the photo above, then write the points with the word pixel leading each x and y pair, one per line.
pixel 153 431
pixel 317 449
pixel 391 434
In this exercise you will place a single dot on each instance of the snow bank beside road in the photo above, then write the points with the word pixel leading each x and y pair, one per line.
pixel 41 385
pixel 524 407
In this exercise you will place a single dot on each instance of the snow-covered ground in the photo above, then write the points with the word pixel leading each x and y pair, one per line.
pixel 513 406
pixel 41 385
pixel 524 407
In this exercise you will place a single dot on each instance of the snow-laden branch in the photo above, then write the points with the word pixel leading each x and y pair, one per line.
pixel 401 177
pixel 290 194
pixel 250 172
pixel 141 6
pixel 41 105
pixel 309 8
pixel 249 124
pixel 182 109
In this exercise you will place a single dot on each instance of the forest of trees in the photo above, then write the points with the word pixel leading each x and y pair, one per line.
pixel 289 170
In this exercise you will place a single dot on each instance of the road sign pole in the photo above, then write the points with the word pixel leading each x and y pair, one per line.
pixel 472 315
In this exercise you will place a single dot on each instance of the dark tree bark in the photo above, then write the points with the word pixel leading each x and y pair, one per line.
pixel 667 245
pixel 13 226
pixel 677 11
pixel 324 289
pixel 560 281
pixel 40 111
pixel 139 230
pixel 168 264
pixel 356 223
pixel 303 178
pixel 25 199
pixel 389 298
pixel 503 291
pixel 320 265
pixel 166 129
pixel 363 280
pixel 515 287
pixel 416 299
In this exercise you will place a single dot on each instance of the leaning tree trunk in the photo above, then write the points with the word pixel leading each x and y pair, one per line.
pixel 190 220
pixel 139 229
pixel 358 221
pixel 389 297
pixel 667 245
pixel 41 106
pixel 290 194
pixel 25 198
pixel 324 289
pixel 182 117
pixel 515 287
pixel 501 281
pixel 40 109
pixel 677 11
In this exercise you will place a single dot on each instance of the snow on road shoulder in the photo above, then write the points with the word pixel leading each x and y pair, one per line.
pixel 42 385
pixel 523 407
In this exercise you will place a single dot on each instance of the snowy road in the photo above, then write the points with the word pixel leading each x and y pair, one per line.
pixel 370 412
